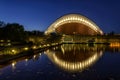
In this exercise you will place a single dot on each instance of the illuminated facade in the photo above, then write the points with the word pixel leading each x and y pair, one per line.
pixel 74 24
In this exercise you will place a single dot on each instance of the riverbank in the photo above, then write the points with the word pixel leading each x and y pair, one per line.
pixel 10 53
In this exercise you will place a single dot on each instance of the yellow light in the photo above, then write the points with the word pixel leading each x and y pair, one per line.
pixel 13 50
pixel 48 44
pixel 34 56
pixel 9 44
pixel 40 46
pixel 34 47
pixel 115 44
pixel 26 48
pixel 1 40
pixel 73 18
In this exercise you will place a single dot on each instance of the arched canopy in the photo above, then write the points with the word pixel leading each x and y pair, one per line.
pixel 74 24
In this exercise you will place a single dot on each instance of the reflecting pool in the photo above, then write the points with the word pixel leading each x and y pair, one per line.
pixel 66 62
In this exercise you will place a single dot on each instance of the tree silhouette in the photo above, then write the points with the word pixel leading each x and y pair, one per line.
pixel 16 32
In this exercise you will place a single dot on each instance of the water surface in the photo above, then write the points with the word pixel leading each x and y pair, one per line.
pixel 66 62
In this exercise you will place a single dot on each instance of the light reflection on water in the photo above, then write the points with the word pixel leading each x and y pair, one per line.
pixel 68 62
pixel 74 58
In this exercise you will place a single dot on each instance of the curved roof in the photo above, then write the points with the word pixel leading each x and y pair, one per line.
pixel 73 18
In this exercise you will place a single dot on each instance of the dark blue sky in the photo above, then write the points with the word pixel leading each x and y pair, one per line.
pixel 39 14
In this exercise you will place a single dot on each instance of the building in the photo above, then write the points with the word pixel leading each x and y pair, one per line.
pixel 74 24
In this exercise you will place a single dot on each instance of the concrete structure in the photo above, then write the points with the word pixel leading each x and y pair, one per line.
pixel 74 24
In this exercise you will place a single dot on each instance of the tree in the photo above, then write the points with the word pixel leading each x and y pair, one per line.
pixel 14 31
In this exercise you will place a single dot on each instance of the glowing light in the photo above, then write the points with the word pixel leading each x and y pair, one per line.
pixel 26 60
pixel 1 40
pixel 13 64
pixel 34 56
pixel 115 44
pixel 73 18
pixel 9 44
pixel 48 44
pixel 40 54
pixel 73 66
pixel 40 46
pixel 34 47
pixel 76 66
pixel 26 48
pixel 14 51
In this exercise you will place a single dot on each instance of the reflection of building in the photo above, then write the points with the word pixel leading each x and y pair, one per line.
pixel 73 57
pixel 74 24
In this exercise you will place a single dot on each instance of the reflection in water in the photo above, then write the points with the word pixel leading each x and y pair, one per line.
pixel 14 62
pixel 69 57
pixel 13 65
pixel 74 57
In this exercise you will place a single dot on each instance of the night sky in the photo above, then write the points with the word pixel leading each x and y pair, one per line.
pixel 39 14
